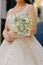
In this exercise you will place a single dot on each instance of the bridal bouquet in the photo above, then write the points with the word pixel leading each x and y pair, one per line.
pixel 23 25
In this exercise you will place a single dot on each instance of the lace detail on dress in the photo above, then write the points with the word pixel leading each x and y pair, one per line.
pixel 10 18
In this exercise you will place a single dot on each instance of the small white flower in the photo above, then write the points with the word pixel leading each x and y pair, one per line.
pixel 23 24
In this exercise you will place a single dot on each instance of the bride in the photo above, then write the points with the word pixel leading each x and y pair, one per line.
pixel 25 50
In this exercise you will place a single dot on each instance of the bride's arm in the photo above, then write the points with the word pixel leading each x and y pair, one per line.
pixel 31 13
pixel 7 34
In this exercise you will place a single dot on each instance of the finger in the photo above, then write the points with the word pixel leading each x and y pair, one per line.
pixel 9 39
pixel 11 34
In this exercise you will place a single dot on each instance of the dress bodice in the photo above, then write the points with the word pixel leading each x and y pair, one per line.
pixel 10 18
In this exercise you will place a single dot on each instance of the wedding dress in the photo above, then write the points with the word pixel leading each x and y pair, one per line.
pixel 21 51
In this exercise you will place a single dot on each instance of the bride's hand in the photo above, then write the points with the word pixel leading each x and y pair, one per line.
pixel 9 35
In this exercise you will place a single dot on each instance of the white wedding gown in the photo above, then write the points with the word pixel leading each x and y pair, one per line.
pixel 23 50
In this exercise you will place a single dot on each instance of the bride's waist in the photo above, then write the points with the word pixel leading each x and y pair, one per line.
pixel 24 37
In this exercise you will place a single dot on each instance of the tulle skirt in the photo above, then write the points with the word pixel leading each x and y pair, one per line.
pixel 22 51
